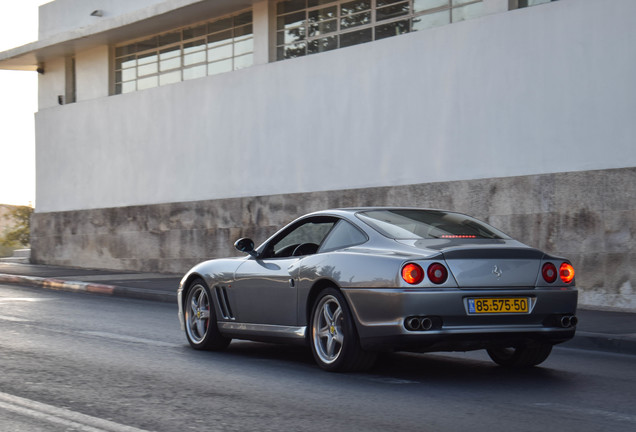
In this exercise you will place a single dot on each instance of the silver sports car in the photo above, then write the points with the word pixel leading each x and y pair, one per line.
pixel 353 282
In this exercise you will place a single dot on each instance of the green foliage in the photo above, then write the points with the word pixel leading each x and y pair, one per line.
pixel 5 251
pixel 18 235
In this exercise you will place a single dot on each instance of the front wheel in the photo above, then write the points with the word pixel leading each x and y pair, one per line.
pixel 200 319
pixel 334 340
pixel 522 356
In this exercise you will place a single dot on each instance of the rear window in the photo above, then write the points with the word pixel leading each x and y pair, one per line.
pixel 428 224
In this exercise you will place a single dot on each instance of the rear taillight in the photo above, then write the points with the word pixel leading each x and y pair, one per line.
pixel 566 272
pixel 549 272
pixel 437 273
pixel 412 274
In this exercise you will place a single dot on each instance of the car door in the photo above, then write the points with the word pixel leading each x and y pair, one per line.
pixel 264 288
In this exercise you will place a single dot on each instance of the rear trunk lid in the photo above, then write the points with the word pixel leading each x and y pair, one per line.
pixel 489 264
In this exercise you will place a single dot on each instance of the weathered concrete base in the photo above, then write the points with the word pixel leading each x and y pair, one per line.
pixel 589 217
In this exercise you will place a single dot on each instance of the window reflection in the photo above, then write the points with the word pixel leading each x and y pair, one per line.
pixel 312 26
pixel 355 20
pixel 243 47
pixel 392 29
pixel 170 77
pixel 196 51
pixel 323 44
pixel 219 67
pixel 425 5
pixel 355 38
pixel 194 72
pixel 170 59
pixel 393 10
pixel 431 20
pixel 470 11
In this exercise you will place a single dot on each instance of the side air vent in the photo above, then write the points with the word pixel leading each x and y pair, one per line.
pixel 224 303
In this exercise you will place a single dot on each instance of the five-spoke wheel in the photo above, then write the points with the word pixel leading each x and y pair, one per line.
pixel 200 319
pixel 334 340
pixel 328 333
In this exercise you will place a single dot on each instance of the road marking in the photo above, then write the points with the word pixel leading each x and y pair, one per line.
pixel 610 415
pixel 13 319
pixel 133 339
pixel 22 299
pixel 61 416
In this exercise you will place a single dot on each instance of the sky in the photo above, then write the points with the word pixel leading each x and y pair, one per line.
pixel 18 103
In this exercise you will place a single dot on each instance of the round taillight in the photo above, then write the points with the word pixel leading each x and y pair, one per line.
pixel 566 272
pixel 437 273
pixel 549 272
pixel 412 274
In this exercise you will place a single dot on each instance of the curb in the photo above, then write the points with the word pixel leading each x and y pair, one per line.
pixel 91 288
pixel 619 344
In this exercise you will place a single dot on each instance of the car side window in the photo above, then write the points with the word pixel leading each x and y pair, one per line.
pixel 304 239
pixel 343 235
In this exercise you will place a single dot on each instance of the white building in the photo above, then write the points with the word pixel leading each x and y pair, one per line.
pixel 167 129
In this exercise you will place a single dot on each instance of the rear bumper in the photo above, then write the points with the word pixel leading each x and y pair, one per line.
pixel 380 316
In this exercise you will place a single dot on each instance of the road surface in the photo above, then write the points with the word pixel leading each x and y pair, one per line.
pixel 77 362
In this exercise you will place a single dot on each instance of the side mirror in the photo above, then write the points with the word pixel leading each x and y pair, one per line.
pixel 246 245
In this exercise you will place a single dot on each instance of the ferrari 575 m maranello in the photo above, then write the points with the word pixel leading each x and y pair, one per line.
pixel 354 282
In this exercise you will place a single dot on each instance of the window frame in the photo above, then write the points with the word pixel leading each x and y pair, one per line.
pixel 325 241
pixel 239 33
pixel 268 248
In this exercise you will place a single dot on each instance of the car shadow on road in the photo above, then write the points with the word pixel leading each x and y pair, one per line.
pixel 441 368
pixel 414 368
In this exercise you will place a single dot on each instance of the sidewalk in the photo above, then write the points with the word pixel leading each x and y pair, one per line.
pixel 144 286
pixel 597 330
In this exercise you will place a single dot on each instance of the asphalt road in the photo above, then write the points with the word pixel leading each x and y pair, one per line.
pixel 75 362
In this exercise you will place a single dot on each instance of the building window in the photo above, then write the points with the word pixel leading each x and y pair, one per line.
pixel 312 26
pixel 518 4
pixel 208 48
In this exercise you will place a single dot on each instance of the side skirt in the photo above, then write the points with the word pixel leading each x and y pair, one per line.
pixel 263 332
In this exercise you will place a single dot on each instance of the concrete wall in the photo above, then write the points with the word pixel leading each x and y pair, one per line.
pixel 50 85
pixel 531 91
pixel 92 73
pixel 67 15
pixel 589 217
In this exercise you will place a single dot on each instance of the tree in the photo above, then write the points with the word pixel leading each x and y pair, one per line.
pixel 20 233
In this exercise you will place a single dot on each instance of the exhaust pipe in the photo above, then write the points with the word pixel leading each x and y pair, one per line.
pixel 412 323
pixel 415 323
pixel 566 321
pixel 569 321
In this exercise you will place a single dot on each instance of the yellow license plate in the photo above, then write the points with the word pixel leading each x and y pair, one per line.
pixel 498 305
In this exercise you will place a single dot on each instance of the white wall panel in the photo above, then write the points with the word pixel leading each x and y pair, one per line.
pixel 538 90
pixel 92 73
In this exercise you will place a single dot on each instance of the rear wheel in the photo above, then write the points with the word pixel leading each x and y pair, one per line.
pixel 334 340
pixel 522 356
pixel 200 319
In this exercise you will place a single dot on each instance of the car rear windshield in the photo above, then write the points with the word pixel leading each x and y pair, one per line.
pixel 428 224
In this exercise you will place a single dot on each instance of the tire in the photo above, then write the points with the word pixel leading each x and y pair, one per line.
pixel 200 319
pixel 523 356
pixel 334 340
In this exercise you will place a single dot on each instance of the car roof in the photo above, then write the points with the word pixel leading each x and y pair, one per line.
pixel 353 210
